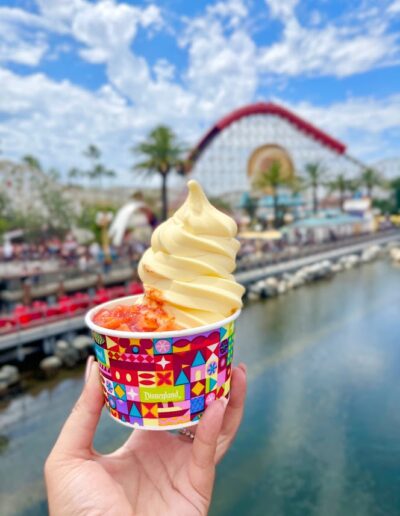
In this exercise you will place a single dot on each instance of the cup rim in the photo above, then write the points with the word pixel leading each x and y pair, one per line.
pixel 150 334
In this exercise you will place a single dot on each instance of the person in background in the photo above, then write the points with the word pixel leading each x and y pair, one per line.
pixel 8 251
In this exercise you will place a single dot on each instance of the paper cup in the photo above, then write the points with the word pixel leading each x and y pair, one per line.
pixel 162 380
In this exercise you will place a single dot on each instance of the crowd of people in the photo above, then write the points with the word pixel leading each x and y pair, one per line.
pixel 23 258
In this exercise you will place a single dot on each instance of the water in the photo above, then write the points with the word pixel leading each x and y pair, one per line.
pixel 321 434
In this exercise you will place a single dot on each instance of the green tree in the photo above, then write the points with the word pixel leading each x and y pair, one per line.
pixel 51 210
pixel 32 162
pixel 4 204
pixel 5 212
pixel 250 206
pixel 163 154
pixel 395 186
pixel 341 185
pixel 92 152
pixel 97 171
pixel 59 213
pixel 271 180
pixel 314 179
pixel 297 184
pixel 370 179
pixel 74 173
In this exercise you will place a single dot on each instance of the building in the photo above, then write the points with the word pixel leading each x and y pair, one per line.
pixel 249 139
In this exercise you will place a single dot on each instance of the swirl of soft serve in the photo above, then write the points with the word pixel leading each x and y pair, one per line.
pixel 190 263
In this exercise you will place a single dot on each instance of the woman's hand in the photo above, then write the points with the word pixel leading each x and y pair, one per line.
pixel 155 473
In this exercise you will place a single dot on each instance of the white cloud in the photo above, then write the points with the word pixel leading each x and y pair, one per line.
pixel 17 43
pixel 340 49
pixel 315 18
pixel 21 52
pixel 222 70
pixel 394 8
pixel 282 9
pixel 164 70
pixel 234 10
pixel 107 27
pixel 60 12
pixel 362 113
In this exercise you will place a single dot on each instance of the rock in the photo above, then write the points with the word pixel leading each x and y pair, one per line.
pixel 68 355
pixel 9 375
pixel 297 281
pixel 253 296
pixel 3 389
pixel 371 253
pixel 350 261
pixel 50 366
pixel 83 344
pixel 395 254
pixel 337 267
pixel 271 287
pixel 257 289
pixel 282 287
pixel 313 272
pixel 271 282
pixel 326 269
pixel 300 277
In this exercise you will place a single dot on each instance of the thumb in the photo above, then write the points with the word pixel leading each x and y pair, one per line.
pixel 77 435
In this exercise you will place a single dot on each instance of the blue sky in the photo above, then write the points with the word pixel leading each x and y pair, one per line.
pixel 74 72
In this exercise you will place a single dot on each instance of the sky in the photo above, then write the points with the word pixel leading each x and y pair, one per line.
pixel 79 72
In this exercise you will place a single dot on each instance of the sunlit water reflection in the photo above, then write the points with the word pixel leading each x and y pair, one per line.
pixel 321 434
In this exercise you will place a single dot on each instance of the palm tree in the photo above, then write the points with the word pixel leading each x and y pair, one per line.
pixel 74 173
pixel 272 179
pixel 32 162
pixel 315 174
pixel 92 152
pixel 342 185
pixel 395 186
pixel 297 184
pixel 370 178
pixel 97 171
pixel 162 153
pixel 250 206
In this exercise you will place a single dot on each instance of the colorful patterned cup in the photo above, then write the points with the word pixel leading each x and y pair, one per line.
pixel 163 380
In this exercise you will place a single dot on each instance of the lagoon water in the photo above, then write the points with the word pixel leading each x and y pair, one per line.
pixel 321 434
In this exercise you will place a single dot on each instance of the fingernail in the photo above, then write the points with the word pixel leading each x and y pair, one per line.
pixel 89 363
pixel 243 367
pixel 224 401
